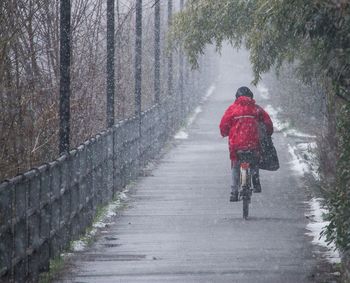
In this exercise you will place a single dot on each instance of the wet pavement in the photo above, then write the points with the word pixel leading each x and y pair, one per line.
pixel 180 226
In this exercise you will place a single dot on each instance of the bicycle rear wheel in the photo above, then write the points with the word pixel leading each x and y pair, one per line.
pixel 245 186
pixel 245 207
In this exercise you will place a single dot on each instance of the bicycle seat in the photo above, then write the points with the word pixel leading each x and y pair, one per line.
pixel 246 156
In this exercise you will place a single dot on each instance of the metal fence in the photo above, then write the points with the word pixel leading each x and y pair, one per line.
pixel 43 210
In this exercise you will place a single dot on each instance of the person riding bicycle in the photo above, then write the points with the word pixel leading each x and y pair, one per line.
pixel 240 123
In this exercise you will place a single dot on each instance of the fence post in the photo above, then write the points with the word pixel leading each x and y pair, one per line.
pixel 138 58
pixel 65 49
pixel 138 68
pixel 157 50
pixel 181 63
pixel 170 55
pixel 110 63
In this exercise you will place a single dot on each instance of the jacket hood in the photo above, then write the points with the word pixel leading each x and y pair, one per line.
pixel 245 100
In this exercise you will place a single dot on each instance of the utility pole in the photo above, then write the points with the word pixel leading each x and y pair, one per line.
pixel 157 50
pixel 110 63
pixel 65 52
pixel 138 59
pixel 170 55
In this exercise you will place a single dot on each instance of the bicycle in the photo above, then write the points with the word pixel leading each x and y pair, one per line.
pixel 246 158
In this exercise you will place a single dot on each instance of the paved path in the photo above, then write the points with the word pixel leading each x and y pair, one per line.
pixel 181 227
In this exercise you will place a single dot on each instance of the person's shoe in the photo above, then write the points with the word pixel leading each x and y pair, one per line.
pixel 234 196
pixel 257 189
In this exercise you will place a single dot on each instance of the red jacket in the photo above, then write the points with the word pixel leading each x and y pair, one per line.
pixel 241 124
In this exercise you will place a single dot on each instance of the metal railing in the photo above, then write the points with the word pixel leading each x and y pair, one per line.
pixel 44 209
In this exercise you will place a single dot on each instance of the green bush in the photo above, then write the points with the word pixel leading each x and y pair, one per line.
pixel 338 200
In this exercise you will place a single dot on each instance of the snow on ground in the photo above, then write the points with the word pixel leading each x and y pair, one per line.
pixel 308 151
pixel 297 164
pixel 210 91
pixel 278 125
pixel 78 246
pixel 316 226
pixel 316 212
pixel 194 116
pixel 109 212
pixel 298 134
pixel 263 91
pixel 304 159
pixel 182 134
pixel 284 127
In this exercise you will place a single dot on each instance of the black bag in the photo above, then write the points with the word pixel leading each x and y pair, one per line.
pixel 269 159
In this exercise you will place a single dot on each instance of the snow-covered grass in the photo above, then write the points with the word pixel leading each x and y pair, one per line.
pixel 308 151
pixel 278 125
pixel 194 115
pixel 182 133
pixel 284 126
pixel 210 91
pixel 102 219
pixel 316 226
pixel 297 163
pixel 304 159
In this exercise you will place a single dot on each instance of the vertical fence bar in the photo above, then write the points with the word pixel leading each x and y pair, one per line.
pixel 138 68
pixel 110 63
pixel 157 51
pixel 172 109
pixel 170 55
pixel 65 50
pixel 118 39
pixel 6 230
pixel 181 66
pixel 55 208
pixel 187 92
pixel 33 222
pixel 111 67
pixel 44 214
pixel 138 58
pixel 20 262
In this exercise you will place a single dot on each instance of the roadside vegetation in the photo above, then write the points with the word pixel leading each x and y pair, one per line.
pixel 29 75
pixel 307 44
